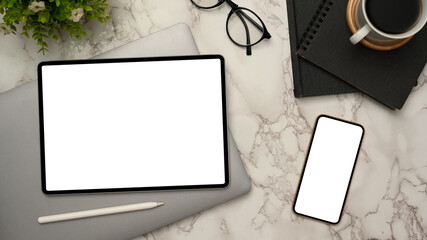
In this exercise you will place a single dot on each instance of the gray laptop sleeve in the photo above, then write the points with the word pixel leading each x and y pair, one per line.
pixel 21 197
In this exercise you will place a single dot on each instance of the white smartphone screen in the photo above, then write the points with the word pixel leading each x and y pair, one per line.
pixel 328 169
pixel 133 124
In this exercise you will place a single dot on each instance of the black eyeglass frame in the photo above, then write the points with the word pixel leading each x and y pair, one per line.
pixel 236 9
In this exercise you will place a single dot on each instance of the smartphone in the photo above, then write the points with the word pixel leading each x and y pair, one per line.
pixel 328 169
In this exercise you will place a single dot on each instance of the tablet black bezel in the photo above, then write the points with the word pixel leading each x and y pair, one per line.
pixel 122 60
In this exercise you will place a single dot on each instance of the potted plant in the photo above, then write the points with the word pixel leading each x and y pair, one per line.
pixel 42 19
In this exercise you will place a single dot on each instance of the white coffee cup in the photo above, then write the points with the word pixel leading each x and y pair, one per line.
pixel 369 31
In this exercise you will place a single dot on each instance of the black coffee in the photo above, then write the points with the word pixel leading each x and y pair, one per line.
pixel 393 16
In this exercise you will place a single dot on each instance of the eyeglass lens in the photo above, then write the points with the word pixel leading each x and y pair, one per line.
pixel 206 3
pixel 244 27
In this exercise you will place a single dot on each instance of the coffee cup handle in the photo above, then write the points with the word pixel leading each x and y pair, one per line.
pixel 359 35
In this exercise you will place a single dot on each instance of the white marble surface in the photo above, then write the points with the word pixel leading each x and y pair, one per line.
pixel 272 129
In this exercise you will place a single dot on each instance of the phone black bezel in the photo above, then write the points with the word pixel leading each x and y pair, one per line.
pixel 351 174
pixel 124 60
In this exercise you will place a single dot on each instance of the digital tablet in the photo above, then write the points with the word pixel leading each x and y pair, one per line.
pixel 133 124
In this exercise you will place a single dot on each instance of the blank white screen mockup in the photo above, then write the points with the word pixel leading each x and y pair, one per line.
pixel 133 125
pixel 328 169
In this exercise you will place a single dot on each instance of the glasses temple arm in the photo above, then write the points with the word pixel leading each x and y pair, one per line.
pixel 250 20
pixel 248 37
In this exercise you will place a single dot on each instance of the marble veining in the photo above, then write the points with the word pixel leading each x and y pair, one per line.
pixel 272 129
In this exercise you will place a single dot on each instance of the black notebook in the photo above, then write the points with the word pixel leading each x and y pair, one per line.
pixel 387 76
pixel 309 80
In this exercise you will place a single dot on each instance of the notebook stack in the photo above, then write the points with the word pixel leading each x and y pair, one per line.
pixel 325 62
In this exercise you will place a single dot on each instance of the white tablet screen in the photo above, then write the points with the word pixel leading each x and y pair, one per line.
pixel 146 124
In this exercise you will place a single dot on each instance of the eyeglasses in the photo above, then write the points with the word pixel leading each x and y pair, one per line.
pixel 244 27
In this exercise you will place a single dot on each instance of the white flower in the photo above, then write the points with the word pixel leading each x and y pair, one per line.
pixel 5 29
pixel 37 7
pixel 106 12
pixel 76 14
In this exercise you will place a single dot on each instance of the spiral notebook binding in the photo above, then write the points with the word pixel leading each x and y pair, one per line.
pixel 314 26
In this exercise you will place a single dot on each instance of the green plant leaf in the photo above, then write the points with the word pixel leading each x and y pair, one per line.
pixel 27 12
pixel 25 34
pixel 11 4
pixel 44 16
pixel 42 49
pixel 23 19
pixel 13 15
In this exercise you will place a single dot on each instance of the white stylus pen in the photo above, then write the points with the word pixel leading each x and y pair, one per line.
pixel 99 212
